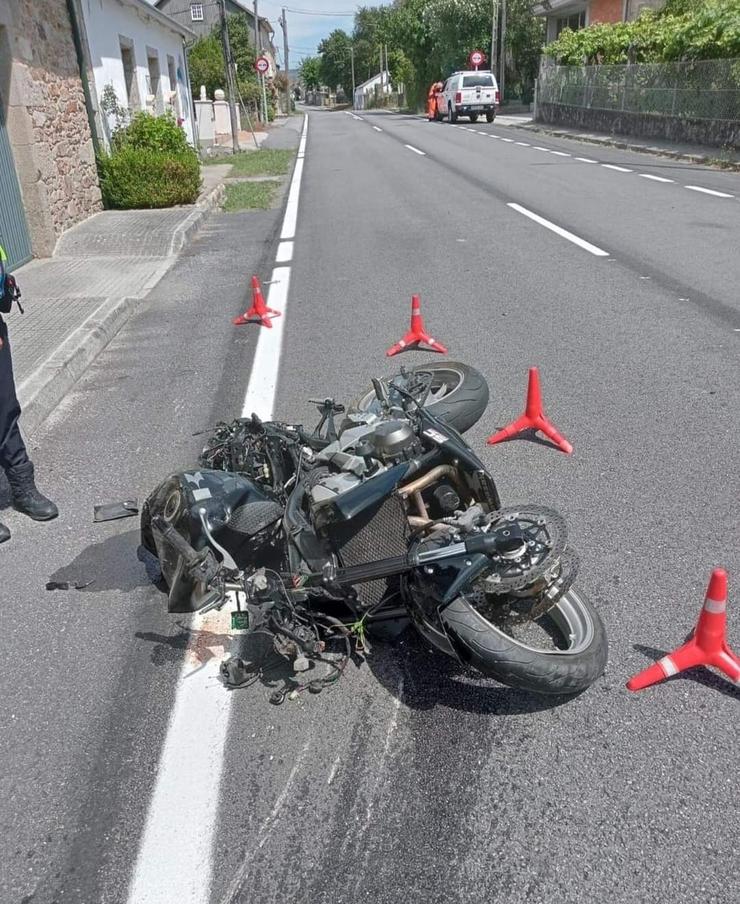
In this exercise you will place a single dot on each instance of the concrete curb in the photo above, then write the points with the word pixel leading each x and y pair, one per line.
pixel 624 145
pixel 44 389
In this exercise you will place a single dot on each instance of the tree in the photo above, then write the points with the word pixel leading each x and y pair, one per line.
pixel 310 72
pixel 206 61
pixel 336 60
pixel 206 64
pixel 683 31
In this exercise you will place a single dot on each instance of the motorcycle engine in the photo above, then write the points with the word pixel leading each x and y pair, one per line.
pixel 366 447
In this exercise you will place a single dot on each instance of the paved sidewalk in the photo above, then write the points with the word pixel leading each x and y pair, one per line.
pixel 692 153
pixel 75 301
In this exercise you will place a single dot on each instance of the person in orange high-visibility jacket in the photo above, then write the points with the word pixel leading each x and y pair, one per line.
pixel 432 100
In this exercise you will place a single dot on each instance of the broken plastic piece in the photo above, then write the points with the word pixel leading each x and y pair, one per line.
pixel 111 511
pixel 68 585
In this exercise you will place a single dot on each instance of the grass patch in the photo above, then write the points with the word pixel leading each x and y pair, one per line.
pixel 265 162
pixel 250 195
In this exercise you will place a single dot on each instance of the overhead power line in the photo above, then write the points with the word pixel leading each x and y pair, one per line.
pixel 314 12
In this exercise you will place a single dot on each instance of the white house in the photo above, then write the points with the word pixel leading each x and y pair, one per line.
pixel 378 84
pixel 138 52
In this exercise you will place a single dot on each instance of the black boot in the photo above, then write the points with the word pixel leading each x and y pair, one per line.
pixel 26 498
pixel 4 533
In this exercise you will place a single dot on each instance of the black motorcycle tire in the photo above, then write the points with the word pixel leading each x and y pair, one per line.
pixel 489 650
pixel 462 408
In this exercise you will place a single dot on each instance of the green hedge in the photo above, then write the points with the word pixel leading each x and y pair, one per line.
pixel 141 178
pixel 151 164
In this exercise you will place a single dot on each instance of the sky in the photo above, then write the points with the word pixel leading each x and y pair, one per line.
pixel 306 31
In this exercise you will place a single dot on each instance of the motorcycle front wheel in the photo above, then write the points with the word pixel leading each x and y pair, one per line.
pixel 562 652
pixel 457 393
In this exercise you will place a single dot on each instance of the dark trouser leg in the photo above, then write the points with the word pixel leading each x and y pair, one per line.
pixel 13 455
pixel 12 448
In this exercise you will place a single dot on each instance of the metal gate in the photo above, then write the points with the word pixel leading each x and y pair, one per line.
pixel 13 229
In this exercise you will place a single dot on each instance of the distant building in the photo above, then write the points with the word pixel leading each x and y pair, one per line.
pixel 202 17
pixel 575 14
pixel 376 85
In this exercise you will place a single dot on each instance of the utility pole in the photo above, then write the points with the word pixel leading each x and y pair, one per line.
pixel 284 24
pixel 257 50
pixel 229 76
pixel 494 39
pixel 352 58
pixel 503 51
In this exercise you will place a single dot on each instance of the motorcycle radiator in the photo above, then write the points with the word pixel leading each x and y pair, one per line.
pixel 379 533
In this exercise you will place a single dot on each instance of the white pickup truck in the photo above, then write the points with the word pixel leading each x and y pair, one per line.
pixel 469 94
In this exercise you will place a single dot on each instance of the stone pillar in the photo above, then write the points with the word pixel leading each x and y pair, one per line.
pixel 222 117
pixel 206 120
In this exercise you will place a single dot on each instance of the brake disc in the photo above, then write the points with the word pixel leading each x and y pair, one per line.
pixel 531 541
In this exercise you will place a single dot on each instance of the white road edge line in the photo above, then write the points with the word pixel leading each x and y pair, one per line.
pixel 709 191
pixel 174 860
pixel 415 150
pixel 284 253
pixel 618 169
pixel 654 178
pixel 558 230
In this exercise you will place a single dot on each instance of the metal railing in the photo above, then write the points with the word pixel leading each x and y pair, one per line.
pixel 707 90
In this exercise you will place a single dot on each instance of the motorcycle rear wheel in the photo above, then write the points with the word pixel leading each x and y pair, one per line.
pixel 568 668
pixel 459 393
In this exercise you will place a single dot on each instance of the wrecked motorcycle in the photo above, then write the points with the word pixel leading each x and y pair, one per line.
pixel 381 513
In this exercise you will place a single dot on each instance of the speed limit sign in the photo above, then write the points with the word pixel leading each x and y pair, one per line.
pixel 262 64
pixel 477 58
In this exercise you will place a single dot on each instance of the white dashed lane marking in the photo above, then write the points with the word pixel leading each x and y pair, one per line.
pixel 558 230
pixel 709 191
pixel 610 166
pixel 415 150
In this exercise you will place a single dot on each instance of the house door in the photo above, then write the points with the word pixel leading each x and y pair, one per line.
pixel 13 228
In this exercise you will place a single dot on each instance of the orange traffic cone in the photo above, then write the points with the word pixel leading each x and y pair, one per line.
pixel 259 312
pixel 533 418
pixel 417 334
pixel 708 645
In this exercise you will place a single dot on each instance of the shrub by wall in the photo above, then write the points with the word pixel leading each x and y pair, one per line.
pixel 150 165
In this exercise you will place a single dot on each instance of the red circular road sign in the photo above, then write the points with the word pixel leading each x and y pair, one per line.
pixel 477 58
pixel 262 64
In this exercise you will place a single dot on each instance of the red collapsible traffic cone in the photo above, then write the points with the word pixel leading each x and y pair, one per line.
pixel 707 646
pixel 417 334
pixel 259 312
pixel 533 418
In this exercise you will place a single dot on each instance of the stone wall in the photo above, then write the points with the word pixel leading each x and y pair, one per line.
pixel 47 120
pixel 712 133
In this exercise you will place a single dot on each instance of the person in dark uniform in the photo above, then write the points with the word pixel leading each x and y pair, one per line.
pixel 14 458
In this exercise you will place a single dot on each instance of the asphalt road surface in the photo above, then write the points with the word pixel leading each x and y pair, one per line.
pixel 410 780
